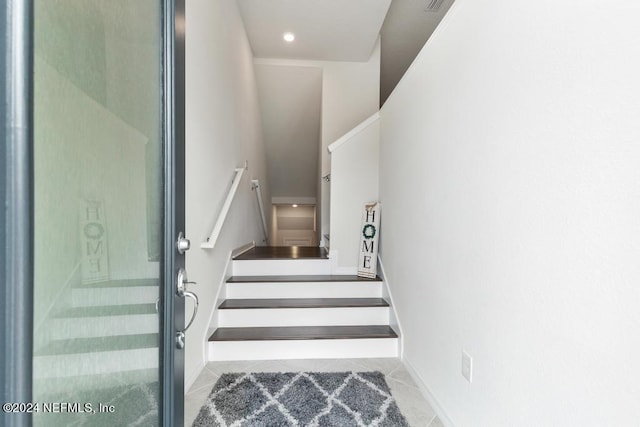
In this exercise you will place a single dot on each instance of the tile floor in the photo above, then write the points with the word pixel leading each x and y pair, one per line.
pixel 411 402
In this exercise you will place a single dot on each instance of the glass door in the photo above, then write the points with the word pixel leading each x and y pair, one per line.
pixel 103 161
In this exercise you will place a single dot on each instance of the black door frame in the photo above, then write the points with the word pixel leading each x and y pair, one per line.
pixel 16 220
pixel 16 212
pixel 172 365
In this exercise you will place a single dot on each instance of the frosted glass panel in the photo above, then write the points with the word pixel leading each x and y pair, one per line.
pixel 98 199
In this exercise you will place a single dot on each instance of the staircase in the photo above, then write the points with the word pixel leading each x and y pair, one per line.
pixel 283 303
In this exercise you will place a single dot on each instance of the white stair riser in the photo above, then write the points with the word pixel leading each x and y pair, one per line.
pixel 104 326
pixel 71 365
pixel 282 266
pixel 303 349
pixel 304 317
pixel 305 290
pixel 92 297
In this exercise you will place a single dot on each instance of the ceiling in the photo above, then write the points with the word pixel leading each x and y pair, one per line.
pixel 330 30
pixel 343 30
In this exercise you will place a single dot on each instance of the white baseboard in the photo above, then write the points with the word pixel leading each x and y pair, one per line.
pixel 394 319
pixel 188 382
pixel 221 295
pixel 242 249
pixel 428 395
pixel 212 323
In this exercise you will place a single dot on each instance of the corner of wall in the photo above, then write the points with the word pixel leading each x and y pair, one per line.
pixel 192 377
pixel 428 394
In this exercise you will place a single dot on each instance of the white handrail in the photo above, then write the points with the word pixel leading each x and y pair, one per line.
pixel 255 185
pixel 353 132
pixel 211 240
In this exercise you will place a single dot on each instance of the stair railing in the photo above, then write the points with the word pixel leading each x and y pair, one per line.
pixel 255 185
pixel 210 242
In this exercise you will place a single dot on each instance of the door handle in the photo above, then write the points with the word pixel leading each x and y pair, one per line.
pixel 194 297
pixel 182 291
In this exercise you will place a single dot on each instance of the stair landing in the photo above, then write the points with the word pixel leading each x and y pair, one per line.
pixel 283 252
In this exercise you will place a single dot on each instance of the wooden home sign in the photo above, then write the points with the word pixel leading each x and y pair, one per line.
pixel 369 234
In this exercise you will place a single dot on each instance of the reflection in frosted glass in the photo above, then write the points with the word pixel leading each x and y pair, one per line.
pixel 97 210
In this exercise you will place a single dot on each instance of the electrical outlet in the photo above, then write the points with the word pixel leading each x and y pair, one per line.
pixel 467 366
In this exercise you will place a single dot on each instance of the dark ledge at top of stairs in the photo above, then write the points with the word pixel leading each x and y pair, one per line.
pixel 283 252
pixel 276 303
pixel 302 333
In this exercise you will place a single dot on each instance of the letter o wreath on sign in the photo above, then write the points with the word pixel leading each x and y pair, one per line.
pixel 369 231
pixel 93 230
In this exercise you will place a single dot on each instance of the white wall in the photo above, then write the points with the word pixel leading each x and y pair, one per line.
pixel 354 182
pixel 222 130
pixel 290 105
pixel 350 94
pixel 510 181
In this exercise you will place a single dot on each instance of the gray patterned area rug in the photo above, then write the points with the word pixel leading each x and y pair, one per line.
pixel 310 399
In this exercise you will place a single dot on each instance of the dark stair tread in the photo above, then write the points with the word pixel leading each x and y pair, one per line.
pixel 100 344
pixel 301 278
pixel 302 333
pixel 283 252
pixel 109 310
pixel 120 283
pixel 303 303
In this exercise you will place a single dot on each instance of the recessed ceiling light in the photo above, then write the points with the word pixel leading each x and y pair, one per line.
pixel 289 37
pixel 295 206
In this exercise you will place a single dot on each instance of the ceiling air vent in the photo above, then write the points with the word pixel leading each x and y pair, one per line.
pixel 433 5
